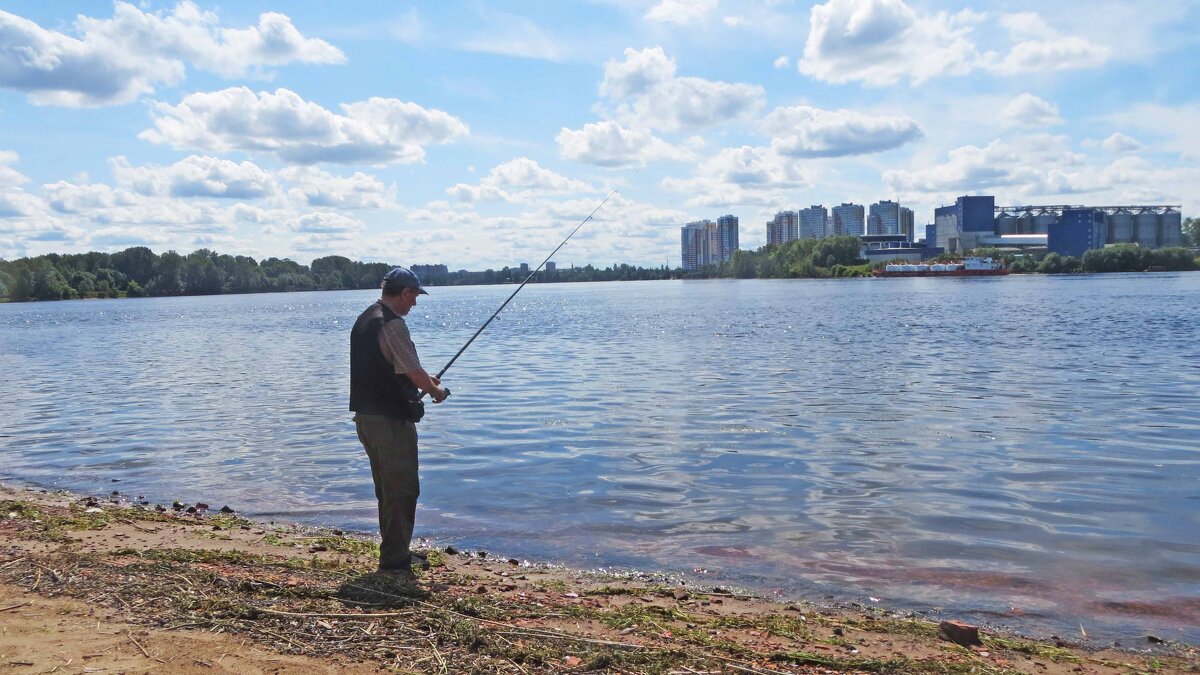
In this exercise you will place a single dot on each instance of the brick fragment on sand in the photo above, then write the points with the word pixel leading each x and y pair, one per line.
pixel 960 633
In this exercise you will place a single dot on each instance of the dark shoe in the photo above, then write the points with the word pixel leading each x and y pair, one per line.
pixel 419 559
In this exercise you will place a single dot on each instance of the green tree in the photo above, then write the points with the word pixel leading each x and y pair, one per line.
pixel 201 275
pixel 168 277
pixel 137 264
pixel 1191 232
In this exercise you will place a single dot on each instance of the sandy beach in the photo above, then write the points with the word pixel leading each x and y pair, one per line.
pixel 99 585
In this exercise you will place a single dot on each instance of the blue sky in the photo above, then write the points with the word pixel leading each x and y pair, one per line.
pixel 477 134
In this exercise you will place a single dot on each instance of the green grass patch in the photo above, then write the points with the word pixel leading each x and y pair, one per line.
pixel 1041 650
pixel 775 624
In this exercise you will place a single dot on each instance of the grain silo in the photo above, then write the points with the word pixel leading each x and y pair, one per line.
pixel 1120 227
pixel 1170 228
pixel 1147 228
pixel 1025 223
pixel 1006 223
pixel 1043 220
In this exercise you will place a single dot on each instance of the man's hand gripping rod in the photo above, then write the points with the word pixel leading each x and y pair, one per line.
pixel 514 293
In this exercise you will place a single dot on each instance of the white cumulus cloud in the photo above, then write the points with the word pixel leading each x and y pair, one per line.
pixel 1038 164
pixel 1120 143
pixel 1031 111
pixel 881 42
pixel 113 61
pixel 9 175
pixel 610 144
pixel 375 131
pixel 519 179
pixel 742 175
pixel 66 197
pixel 16 203
pixel 1038 47
pixel 652 96
pixel 680 12
pixel 196 176
pixel 804 131
pixel 325 222
pixel 315 188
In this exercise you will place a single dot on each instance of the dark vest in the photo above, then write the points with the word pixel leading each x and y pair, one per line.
pixel 375 388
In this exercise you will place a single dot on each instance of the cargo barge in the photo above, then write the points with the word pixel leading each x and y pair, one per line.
pixel 970 267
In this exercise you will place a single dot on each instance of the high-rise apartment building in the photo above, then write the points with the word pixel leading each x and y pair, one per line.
pixel 727 236
pixel 847 219
pixel 707 243
pixel 813 222
pixel 907 224
pixel 884 218
pixel 783 228
pixel 694 244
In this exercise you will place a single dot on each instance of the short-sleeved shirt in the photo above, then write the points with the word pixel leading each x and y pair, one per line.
pixel 397 346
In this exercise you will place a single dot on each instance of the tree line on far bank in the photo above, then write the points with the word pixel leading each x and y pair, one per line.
pixel 1113 258
pixel 139 272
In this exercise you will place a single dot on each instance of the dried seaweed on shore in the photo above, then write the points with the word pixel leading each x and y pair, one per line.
pixel 316 596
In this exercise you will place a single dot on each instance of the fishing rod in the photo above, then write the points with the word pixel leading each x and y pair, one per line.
pixel 514 293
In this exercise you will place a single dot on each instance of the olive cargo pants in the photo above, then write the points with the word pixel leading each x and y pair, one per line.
pixel 391 445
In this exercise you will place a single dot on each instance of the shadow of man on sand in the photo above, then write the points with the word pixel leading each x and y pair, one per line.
pixel 381 589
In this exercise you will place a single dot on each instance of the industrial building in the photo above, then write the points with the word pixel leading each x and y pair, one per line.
pixel 885 247
pixel 961 226
pixel 976 222
pixel 1149 226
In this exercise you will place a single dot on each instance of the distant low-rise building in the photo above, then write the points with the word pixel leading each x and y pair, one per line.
pixel 428 272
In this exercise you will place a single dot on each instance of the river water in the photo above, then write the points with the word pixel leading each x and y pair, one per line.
pixel 1022 451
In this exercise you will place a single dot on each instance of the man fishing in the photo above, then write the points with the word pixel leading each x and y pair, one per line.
pixel 386 385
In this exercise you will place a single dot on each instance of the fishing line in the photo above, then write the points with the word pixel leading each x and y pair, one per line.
pixel 514 293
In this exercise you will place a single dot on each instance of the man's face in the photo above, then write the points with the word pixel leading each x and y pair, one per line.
pixel 408 300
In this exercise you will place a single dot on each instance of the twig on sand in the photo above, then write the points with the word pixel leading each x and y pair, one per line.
pixel 141 648
pixel 19 604
pixel 138 527
pixel 323 615
pixel 277 635
pixel 438 654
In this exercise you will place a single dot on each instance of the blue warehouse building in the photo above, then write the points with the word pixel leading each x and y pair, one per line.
pixel 1076 231
pixel 960 227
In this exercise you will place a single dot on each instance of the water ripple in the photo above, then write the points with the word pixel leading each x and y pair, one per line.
pixel 1021 450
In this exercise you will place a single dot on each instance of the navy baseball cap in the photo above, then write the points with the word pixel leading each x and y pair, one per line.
pixel 402 277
